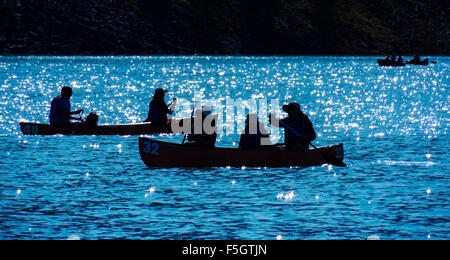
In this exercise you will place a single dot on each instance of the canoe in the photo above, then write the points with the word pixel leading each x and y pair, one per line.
pixel 422 62
pixel 390 63
pixel 81 129
pixel 170 155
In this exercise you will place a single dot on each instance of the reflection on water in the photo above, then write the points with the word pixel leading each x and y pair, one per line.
pixel 393 123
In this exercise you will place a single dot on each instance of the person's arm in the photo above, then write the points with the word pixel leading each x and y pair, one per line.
pixel 310 134
pixel 64 108
pixel 281 123
pixel 76 118
pixel 76 112
pixel 165 109
pixel 273 120
pixel 68 115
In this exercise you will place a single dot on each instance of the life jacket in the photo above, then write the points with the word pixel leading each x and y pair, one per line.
pixel 298 125
pixel 303 127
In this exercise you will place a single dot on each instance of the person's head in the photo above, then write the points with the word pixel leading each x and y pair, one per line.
pixel 66 92
pixel 293 108
pixel 159 93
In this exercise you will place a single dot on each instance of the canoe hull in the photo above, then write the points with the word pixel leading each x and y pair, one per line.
pixel 422 62
pixel 130 129
pixel 168 155
pixel 388 63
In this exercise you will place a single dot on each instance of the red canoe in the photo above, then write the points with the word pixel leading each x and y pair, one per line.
pixel 81 129
pixel 169 155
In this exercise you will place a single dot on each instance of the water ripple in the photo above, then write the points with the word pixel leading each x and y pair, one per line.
pixel 393 122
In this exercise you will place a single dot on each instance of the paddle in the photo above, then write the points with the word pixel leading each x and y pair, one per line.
pixel 328 157
pixel 171 102
pixel 192 116
pixel 80 118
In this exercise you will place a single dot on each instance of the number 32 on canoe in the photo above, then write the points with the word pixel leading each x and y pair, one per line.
pixel 31 129
pixel 151 148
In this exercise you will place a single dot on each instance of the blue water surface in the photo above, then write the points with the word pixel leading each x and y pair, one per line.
pixel 393 122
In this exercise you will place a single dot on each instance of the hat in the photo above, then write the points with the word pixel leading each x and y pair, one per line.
pixel 160 91
pixel 291 106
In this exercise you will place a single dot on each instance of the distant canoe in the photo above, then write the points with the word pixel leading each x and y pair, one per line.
pixel 81 129
pixel 422 62
pixel 170 155
pixel 389 63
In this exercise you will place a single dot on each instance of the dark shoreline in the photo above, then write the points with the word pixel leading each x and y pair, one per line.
pixel 225 27
pixel 217 55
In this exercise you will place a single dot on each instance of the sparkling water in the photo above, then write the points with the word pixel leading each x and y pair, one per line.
pixel 393 123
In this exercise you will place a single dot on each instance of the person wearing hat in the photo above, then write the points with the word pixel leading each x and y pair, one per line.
pixel 207 136
pixel 158 109
pixel 60 113
pixel 299 131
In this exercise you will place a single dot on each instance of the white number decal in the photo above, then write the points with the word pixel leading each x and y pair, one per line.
pixel 151 148
pixel 35 129
pixel 29 129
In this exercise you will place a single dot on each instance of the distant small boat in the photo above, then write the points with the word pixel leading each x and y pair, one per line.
pixel 390 63
pixel 82 129
pixel 170 155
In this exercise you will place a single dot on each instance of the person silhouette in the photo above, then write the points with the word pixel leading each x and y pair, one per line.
pixel 60 113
